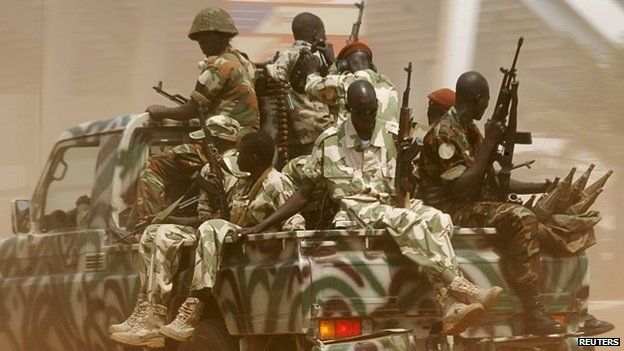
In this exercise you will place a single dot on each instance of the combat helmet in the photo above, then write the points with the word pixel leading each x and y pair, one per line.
pixel 212 19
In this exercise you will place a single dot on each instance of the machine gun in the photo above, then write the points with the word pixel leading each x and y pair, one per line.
pixel 355 29
pixel 177 98
pixel 507 105
pixel 214 183
pixel 402 196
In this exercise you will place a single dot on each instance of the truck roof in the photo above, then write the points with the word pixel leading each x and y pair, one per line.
pixel 114 124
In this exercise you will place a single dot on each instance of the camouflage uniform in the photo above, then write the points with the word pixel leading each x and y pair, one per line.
pixel 309 118
pixel 161 243
pixel 176 165
pixel 227 81
pixel 362 181
pixel 449 149
pixel 249 205
pixel 332 90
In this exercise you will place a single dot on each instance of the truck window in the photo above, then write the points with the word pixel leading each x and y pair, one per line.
pixel 70 182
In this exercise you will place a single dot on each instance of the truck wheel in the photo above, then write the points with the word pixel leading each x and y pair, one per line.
pixel 211 335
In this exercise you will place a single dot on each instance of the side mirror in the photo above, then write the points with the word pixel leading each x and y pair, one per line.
pixel 20 216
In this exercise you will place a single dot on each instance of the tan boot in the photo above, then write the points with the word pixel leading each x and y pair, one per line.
pixel 458 316
pixel 139 312
pixel 183 326
pixel 145 333
pixel 469 293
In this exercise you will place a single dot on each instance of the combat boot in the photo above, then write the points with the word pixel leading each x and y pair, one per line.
pixel 146 332
pixel 536 320
pixel 183 326
pixel 466 292
pixel 457 316
pixel 139 312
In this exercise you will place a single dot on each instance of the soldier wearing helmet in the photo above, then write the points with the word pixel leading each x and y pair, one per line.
pixel 227 81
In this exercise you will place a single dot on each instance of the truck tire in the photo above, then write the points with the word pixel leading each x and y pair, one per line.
pixel 211 335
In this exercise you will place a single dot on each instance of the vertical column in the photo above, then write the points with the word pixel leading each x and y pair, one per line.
pixel 459 20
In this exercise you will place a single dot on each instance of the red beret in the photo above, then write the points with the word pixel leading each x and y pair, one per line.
pixel 354 47
pixel 444 97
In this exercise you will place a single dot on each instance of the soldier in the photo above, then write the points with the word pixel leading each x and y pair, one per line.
pixel 453 164
pixel 356 162
pixel 357 60
pixel 440 101
pixel 227 80
pixel 307 118
pixel 251 200
pixel 161 243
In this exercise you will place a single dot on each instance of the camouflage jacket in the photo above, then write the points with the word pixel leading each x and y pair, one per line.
pixel 449 149
pixel 308 118
pixel 252 203
pixel 332 90
pixel 354 175
pixel 227 80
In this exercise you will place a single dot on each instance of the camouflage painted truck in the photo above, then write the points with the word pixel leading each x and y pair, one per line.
pixel 67 274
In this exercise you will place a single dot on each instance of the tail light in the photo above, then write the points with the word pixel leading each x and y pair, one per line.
pixel 330 329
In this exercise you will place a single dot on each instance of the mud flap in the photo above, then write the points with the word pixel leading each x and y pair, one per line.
pixel 395 340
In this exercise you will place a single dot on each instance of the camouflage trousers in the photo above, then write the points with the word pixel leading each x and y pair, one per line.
pixel 212 233
pixel 422 233
pixel 159 258
pixel 163 169
pixel 519 227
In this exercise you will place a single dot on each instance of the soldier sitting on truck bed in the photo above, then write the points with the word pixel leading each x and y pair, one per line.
pixel 356 162
pixel 161 243
pixel 308 118
pixel 251 199
pixel 227 80
pixel 453 165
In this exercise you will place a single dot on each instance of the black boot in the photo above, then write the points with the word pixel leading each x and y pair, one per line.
pixel 594 326
pixel 536 320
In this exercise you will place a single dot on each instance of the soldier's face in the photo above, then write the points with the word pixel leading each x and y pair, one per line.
pixel 481 104
pixel 363 118
pixel 245 159
pixel 435 112
pixel 210 43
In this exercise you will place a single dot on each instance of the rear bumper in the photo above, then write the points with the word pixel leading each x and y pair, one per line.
pixel 394 340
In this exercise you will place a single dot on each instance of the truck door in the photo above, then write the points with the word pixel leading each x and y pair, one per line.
pixel 42 290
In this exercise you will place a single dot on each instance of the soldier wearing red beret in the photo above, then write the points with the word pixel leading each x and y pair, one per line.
pixel 440 101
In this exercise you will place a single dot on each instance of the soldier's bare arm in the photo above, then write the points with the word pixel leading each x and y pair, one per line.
pixel 463 186
pixel 293 205
pixel 180 113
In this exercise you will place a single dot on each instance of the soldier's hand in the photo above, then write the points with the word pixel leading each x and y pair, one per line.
pixel 494 132
pixel 241 235
pixel 157 112
pixel 327 50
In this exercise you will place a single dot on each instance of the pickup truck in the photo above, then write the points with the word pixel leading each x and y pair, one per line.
pixel 70 271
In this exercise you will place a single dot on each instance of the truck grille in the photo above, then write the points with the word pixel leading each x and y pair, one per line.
pixel 95 262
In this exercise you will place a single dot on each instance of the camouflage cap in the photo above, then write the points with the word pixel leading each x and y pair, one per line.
pixel 212 19
pixel 220 126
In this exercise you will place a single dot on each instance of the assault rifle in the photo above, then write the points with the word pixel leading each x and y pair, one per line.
pixel 177 98
pixel 507 105
pixel 402 196
pixel 214 183
pixel 355 29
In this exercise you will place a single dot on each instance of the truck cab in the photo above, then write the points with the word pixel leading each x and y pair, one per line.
pixel 71 269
